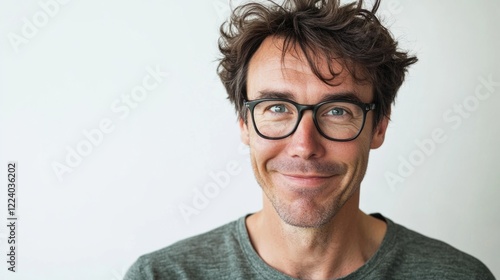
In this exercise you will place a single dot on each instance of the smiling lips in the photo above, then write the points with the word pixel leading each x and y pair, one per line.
pixel 307 174
pixel 307 180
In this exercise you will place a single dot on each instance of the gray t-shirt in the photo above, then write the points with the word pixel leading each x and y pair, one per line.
pixel 226 253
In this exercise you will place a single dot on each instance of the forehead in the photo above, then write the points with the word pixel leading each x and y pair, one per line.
pixel 270 71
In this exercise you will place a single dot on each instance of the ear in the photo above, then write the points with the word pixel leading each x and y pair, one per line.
pixel 379 133
pixel 245 138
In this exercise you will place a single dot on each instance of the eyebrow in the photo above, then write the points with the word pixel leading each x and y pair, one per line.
pixel 345 96
pixel 275 94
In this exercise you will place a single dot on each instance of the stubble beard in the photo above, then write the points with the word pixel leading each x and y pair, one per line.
pixel 307 213
pixel 304 217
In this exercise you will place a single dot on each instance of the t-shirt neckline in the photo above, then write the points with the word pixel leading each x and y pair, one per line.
pixel 268 272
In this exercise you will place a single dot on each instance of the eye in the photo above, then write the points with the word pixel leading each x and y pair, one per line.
pixel 278 108
pixel 336 111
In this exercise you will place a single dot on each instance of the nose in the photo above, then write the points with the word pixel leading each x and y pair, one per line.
pixel 306 142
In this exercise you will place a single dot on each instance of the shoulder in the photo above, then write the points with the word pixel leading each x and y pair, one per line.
pixel 429 258
pixel 215 241
pixel 188 257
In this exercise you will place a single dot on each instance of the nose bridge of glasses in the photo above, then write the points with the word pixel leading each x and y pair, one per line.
pixel 302 109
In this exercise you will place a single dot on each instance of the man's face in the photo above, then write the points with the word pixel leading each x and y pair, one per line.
pixel 306 177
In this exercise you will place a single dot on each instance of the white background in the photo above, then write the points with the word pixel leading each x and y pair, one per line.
pixel 122 200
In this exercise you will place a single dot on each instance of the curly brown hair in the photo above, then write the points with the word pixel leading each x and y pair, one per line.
pixel 321 28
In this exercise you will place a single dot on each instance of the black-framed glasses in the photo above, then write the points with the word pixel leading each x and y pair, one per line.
pixel 336 120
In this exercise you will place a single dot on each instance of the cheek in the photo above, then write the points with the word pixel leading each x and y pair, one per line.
pixel 349 153
pixel 361 161
pixel 263 150
pixel 363 142
pixel 354 154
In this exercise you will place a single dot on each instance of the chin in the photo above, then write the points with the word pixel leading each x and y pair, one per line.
pixel 305 214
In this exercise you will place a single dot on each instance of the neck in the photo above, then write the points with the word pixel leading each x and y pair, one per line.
pixel 333 250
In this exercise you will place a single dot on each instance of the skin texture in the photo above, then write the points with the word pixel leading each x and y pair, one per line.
pixel 310 225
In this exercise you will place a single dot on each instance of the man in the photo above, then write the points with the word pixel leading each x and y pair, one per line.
pixel 312 82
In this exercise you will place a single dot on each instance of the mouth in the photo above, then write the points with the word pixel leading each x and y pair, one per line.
pixel 307 180
pixel 306 176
